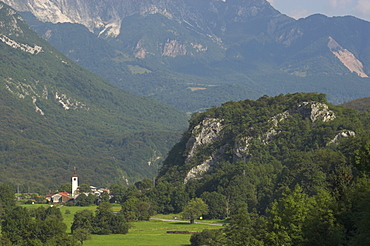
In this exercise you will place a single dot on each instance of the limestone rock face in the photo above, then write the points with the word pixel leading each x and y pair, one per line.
pixel 209 130
pixel 105 16
pixel 242 149
pixel 274 122
pixel 316 111
pixel 173 48
pixel 198 171
pixel 343 134
pixel 204 133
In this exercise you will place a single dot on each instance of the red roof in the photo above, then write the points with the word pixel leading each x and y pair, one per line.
pixel 64 193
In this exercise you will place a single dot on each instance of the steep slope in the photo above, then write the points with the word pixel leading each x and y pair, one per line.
pixel 195 54
pixel 56 116
pixel 250 151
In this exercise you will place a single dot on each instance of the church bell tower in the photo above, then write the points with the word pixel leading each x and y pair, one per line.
pixel 74 184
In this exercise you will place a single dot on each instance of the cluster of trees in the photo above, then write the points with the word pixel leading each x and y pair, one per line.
pixel 104 221
pixel 44 226
pixel 20 226
pixel 299 219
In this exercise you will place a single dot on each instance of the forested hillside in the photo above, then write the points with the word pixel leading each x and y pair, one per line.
pixel 292 167
pixel 361 104
pixel 56 116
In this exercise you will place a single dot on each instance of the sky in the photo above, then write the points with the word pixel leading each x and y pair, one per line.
pixel 303 8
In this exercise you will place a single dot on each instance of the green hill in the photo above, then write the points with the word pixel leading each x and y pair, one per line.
pixel 56 116
pixel 251 151
pixel 361 104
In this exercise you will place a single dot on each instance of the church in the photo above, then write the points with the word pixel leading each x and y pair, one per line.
pixel 64 197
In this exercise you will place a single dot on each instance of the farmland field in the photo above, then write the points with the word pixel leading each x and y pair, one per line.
pixel 151 232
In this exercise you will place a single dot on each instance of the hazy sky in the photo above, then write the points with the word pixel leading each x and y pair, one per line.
pixel 302 8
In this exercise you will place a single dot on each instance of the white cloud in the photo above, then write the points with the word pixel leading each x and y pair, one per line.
pixel 363 7
pixel 339 3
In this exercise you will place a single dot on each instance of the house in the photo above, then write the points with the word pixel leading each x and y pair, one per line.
pixel 59 198
pixel 63 197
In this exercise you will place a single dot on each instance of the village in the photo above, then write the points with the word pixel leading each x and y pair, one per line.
pixel 71 195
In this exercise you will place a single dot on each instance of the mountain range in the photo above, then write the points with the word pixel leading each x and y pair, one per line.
pixel 195 54
pixel 56 115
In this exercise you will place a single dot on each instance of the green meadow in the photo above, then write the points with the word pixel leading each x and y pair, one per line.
pixel 151 232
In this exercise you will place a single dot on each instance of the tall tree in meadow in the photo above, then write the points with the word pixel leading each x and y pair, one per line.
pixel 83 220
pixel 194 209
pixel 81 234
pixel 106 222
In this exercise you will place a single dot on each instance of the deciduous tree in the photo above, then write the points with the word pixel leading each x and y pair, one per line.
pixel 194 209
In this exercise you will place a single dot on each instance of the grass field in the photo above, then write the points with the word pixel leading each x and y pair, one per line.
pixel 150 233
pixel 144 233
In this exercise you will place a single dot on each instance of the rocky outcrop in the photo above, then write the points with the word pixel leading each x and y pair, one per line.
pixel 316 111
pixel 204 133
pixel 173 48
pixel 241 150
pixel 69 103
pixel 24 47
pixel 341 135
pixel 140 52
pixel 274 121
pixel 209 130
pixel 95 15
pixel 198 171
pixel 199 47
pixel 35 90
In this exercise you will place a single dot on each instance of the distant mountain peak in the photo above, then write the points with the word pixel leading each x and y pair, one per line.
pixel 232 50
pixel 105 17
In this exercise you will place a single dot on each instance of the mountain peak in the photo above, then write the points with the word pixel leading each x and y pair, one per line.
pixel 105 17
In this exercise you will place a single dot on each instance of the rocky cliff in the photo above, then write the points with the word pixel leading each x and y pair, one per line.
pixel 242 131
pixel 105 16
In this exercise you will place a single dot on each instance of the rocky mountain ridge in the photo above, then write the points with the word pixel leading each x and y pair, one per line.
pixel 242 132
pixel 210 129
pixel 105 17
pixel 232 50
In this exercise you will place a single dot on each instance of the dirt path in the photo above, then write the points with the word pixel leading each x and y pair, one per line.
pixel 183 221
